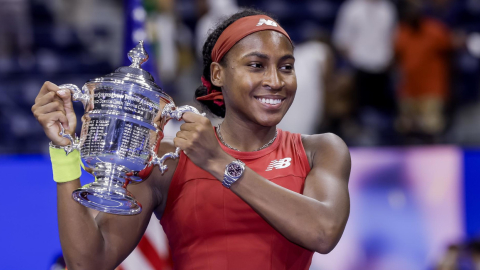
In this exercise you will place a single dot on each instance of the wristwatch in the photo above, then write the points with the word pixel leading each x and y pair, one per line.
pixel 233 171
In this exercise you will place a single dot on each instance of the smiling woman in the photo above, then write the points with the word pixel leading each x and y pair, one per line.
pixel 288 193
pixel 245 195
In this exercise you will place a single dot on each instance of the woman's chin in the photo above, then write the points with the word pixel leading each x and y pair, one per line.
pixel 270 121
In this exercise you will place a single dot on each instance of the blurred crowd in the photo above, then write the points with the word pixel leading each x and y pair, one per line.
pixel 461 257
pixel 375 72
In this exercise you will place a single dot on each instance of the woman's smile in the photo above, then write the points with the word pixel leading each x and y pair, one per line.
pixel 270 101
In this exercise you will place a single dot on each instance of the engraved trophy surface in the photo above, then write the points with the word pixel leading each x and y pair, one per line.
pixel 119 138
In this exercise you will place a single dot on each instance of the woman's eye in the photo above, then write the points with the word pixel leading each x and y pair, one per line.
pixel 287 67
pixel 256 65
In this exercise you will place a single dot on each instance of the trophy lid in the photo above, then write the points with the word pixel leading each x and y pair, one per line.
pixel 133 74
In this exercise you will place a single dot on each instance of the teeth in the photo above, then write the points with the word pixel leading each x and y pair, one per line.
pixel 269 101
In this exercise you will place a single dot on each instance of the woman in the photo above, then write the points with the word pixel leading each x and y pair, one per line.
pixel 242 196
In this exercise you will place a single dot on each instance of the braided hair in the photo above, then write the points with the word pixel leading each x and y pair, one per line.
pixel 207 59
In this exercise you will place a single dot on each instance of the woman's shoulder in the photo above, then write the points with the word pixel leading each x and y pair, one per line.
pixel 325 145
pixel 324 138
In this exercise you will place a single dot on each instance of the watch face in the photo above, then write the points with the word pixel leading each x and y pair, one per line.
pixel 234 170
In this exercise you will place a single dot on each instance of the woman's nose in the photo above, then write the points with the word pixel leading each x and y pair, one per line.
pixel 273 80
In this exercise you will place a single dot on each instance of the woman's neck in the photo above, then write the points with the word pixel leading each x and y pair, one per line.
pixel 245 136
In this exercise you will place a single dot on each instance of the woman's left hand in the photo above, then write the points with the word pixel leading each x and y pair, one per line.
pixel 198 141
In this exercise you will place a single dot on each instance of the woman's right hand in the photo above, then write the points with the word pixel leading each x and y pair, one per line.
pixel 52 107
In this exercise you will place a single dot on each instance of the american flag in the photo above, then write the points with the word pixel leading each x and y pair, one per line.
pixel 152 252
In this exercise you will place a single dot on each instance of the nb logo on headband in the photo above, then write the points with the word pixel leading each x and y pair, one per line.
pixel 267 22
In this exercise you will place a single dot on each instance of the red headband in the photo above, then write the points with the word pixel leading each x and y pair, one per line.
pixel 240 29
pixel 229 37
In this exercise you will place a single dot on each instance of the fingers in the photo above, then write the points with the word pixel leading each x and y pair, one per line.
pixel 190 127
pixel 52 110
pixel 50 91
pixel 45 99
pixel 66 97
pixel 47 87
pixel 48 103
pixel 52 98
pixel 187 135
pixel 53 106
pixel 190 117
pixel 179 142
pixel 182 143
pixel 49 119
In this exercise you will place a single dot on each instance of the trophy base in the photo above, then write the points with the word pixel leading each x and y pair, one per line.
pixel 109 199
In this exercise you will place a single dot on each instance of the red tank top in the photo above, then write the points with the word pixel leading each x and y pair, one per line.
pixel 210 228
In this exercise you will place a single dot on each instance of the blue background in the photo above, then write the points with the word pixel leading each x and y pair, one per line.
pixel 471 173
pixel 29 221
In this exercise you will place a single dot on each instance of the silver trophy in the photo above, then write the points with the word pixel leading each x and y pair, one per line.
pixel 119 138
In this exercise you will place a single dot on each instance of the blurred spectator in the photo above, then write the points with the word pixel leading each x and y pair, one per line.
pixel 98 25
pixel 15 34
pixel 422 46
pixel 216 10
pixel 338 116
pixel 473 249
pixel 73 41
pixel 465 256
pixel 174 54
pixel 313 67
pixel 162 28
pixel 363 34
pixel 450 259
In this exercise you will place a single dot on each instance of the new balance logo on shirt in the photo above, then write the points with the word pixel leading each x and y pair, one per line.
pixel 267 22
pixel 279 164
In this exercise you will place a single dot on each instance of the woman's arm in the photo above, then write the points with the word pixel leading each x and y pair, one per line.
pixel 104 241
pixel 315 219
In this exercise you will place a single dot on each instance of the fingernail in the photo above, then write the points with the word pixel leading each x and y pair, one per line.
pixel 61 92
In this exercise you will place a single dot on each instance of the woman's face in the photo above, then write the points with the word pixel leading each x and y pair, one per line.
pixel 259 81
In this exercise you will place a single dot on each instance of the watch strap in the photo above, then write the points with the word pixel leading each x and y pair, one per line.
pixel 228 180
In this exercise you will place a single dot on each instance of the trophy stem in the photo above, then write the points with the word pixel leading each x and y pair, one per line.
pixel 108 194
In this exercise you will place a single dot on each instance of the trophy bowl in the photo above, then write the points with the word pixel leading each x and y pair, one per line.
pixel 119 138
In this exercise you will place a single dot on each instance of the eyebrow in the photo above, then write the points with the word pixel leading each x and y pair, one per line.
pixel 287 56
pixel 257 54
pixel 264 56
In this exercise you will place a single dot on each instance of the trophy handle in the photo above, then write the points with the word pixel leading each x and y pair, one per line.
pixel 170 111
pixel 77 95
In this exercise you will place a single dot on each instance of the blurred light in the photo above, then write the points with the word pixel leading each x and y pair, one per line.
pixel 139 14
pixel 48 61
pixel 396 199
pixel 473 44
pixel 138 35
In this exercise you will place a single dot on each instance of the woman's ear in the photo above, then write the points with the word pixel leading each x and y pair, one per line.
pixel 216 74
